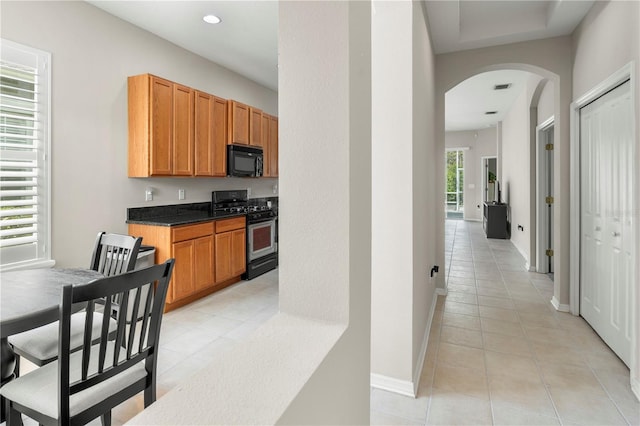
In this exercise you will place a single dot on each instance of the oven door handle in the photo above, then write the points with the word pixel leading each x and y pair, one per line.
pixel 254 221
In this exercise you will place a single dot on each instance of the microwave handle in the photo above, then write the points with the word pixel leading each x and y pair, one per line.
pixel 259 166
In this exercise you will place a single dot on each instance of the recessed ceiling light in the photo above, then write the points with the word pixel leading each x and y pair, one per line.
pixel 211 19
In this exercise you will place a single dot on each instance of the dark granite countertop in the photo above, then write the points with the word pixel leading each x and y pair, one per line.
pixel 175 214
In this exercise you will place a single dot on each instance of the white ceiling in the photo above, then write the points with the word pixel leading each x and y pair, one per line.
pixel 467 103
pixel 247 39
pixel 470 24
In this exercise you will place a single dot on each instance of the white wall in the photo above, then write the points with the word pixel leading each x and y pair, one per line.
pixel 392 146
pixel 424 190
pixel 545 103
pixel 325 269
pixel 481 143
pixel 606 40
pixel 92 55
pixel 516 168
pixel 403 248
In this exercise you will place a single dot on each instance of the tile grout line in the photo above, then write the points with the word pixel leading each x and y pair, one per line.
pixel 535 360
pixel 608 393
pixel 435 361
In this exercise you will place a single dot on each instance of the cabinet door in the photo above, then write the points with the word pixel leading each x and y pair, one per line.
pixel 203 262
pixel 223 256
pixel 255 127
pixel 161 116
pixel 219 137
pixel 238 252
pixel 273 146
pixel 182 281
pixel 266 146
pixel 238 119
pixel 203 116
pixel 182 130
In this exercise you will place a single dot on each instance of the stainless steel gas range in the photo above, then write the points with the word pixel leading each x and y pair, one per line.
pixel 262 229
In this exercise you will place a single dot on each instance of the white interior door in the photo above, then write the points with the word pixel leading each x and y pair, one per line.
pixel 544 206
pixel 606 234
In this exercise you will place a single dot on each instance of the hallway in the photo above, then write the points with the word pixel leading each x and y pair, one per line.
pixel 500 354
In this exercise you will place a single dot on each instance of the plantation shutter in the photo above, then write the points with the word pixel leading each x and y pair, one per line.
pixel 23 155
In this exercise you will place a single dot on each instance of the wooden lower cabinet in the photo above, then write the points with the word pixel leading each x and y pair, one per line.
pixel 183 272
pixel 198 252
pixel 203 264
pixel 230 258
pixel 193 270
pixel 230 248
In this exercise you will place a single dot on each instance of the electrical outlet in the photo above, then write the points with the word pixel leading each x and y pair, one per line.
pixel 248 192
pixel 180 194
pixel 275 188
pixel 148 194
pixel 434 270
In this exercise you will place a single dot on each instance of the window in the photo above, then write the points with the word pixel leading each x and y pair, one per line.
pixel 454 204
pixel 24 156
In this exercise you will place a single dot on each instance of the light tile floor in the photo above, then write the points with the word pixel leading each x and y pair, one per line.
pixel 500 354
pixel 193 335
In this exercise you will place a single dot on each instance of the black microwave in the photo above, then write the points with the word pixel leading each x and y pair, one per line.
pixel 244 161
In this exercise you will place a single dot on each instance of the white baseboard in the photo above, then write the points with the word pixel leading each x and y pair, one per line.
pixel 403 387
pixel 425 341
pixel 529 268
pixel 441 291
pixel 635 387
pixel 559 306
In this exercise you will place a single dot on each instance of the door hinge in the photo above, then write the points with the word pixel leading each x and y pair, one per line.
pixel 548 147
pixel 549 252
pixel 548 200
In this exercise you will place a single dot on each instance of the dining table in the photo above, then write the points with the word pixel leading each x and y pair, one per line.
pixel 30 298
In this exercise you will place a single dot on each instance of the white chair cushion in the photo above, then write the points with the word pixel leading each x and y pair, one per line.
pixel 38 389
pixel 42 342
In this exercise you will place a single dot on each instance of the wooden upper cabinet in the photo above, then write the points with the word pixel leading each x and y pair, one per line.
pixel 273 146
pixel 175 130
pixel 182 130
pixel 255 127
pixel 219 137
pixel 266 169
pixel 238 123
pixel 160 127
pixel 210 135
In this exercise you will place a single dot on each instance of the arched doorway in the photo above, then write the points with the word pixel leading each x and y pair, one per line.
pixel 549 59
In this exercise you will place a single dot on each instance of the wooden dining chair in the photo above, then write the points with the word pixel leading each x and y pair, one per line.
pixel 112 254
pixel 83 385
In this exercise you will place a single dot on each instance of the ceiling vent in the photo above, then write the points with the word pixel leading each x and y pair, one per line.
pixel 501 86
pixel 491 112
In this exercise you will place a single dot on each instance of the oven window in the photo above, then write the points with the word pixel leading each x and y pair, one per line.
pixel 261 237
